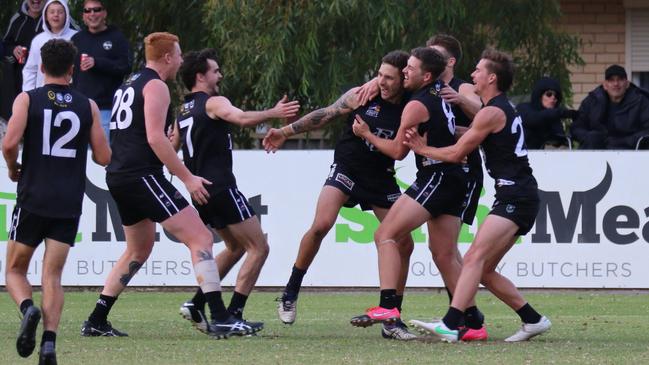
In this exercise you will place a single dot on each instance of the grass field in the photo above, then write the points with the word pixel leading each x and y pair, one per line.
pixel 588 328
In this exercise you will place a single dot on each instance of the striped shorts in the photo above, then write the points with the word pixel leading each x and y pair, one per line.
pixel 441 192
pixel 149 197
pixel 225 207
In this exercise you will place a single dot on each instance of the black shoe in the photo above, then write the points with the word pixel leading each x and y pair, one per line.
pixel 233 327
pixel 90 329
pixel 26 341
pixel 196 316
pixel 48 354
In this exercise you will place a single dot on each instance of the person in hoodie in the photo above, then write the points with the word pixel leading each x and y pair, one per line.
pixel 56 24
pixel 108 59
pixel 613 116
pixel 542 115
pixel 22 28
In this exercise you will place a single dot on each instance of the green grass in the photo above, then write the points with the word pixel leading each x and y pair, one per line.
pixel 588 328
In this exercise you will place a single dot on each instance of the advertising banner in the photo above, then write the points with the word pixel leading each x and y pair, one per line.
pixel 592 229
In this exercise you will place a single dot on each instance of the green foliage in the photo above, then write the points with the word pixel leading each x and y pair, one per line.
pixel 315 50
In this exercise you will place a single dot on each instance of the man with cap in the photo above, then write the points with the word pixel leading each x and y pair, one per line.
pixel 613 116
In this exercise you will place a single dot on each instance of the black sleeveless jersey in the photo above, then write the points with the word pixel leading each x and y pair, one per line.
pixel 440 127
pixel 207 143
pixel 383 119
pixel 55 148
pixel 132 156
pixel 506 156
pixel 474 161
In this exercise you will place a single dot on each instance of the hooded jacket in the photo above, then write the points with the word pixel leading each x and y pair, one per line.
pixel 32 75
pixel 21 30
pixel 540 124
pixel 631 120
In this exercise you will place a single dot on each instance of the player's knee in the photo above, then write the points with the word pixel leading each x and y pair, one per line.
pixel 320 229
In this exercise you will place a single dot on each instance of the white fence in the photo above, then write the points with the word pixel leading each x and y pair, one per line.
pixel 591 232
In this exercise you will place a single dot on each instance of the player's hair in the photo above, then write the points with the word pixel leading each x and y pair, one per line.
pixel 501 64
pixel 57 56
pixel 432 60
pixel 449 43
pixel 156 45
pixel 195 62
pixel 398 59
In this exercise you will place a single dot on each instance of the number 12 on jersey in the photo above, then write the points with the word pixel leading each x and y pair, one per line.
pixel 57 150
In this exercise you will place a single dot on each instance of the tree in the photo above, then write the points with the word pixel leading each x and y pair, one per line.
pixel 314 50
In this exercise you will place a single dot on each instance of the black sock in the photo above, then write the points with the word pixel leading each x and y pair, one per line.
pixel 473 318
pixel 399 302
pixel 25 304
pixel 450 295
pixel 528 314
pixel 453 317
pixel 48 336
pixel 217 308
pixel 102 308
pixel 237 303
pixel 294 283
pixel 388 298
pixel 199 300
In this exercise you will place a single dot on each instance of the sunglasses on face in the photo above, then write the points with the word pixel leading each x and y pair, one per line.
pixel 98 9
pixel 550 93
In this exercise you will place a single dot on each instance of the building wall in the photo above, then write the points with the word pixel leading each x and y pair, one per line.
pixel 601 26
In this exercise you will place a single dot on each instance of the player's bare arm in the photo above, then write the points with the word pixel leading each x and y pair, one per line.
pixel 275 138
pixel 413 114
pixel 15 130
pixel 156 102
pixel 220 107
pixel 465 98
pixel 101 152
pixel 488 120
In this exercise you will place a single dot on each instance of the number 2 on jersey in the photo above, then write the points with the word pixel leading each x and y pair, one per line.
pixel 517 126
pixel 122 114
pixel 57 150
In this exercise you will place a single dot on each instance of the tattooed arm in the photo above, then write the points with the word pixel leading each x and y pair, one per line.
pixel 348 102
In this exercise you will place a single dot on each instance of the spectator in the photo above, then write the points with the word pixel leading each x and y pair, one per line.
pixel 542 115
pixel 23 26
pixel 613 116
pixel 55 25
pixel 107 60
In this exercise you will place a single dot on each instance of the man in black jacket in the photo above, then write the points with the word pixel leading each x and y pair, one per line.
pixel 613 116
pixel 22 28
pixel 105 59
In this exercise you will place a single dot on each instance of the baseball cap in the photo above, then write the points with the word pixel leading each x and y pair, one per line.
pixel 615 70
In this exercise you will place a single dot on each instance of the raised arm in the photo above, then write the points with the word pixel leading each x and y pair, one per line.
pixel 220 107
pixel 488 120
pixel 465 98
pixel 275 138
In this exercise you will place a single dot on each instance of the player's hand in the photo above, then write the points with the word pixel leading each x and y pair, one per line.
pixel 170 133
pixel 285 108
pixel 273 140
pixel 360 128
pixel 368 91
pixel 87 63
pixel 414 140
pixel 450 95
pixel 14 172
pixel 196 187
